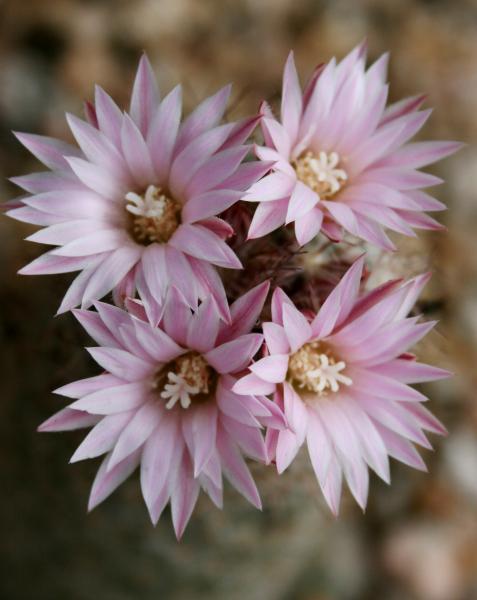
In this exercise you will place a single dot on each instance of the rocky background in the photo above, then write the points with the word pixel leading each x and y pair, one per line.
pixel 418 538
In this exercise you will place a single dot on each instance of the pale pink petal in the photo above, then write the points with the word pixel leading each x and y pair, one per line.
pixel 246 175
pixel 279 299
pixel 211 283
pixel 102 437
pixel 275 338
pixel 409 371
pixel 103 240
pixel 192 157
pixel 121 363
pixel 163 132
pixel 68 419
pixel 136 152
pixel 111 400
pixel 339 303
pixel 204 427
pixel 400 449
pixel 245 312
pixel 160 346
pixel 302 200
pixel 94 326
pixel 82 387
pixel 215 170
pixel 110 272
pixel 107 481
pixel 176 316
pixel 251 384
pixel 204 117
pixel 271 368
pixel 308 226
pixel 249 439
pixel 272 187
pixel 241 132
pixel 291 99
pixel 286 450
pixel 184 496
pixel 108 115
pixel 235 355
pixel 297 328
pixel 135 433
pixel 145 95
pixel 157 461
pixel 183 275
pixel 278 136
pixel 236 470
pixel 206 319
pixel 49 151
pixel 202 243
pixel 208 204
pixel 98 178
pixel 268 216
pixel 97 147
pixel 230 404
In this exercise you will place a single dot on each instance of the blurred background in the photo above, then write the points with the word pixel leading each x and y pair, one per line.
pixel 418 538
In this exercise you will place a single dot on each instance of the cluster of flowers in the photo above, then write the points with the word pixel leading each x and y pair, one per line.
pixel 194 382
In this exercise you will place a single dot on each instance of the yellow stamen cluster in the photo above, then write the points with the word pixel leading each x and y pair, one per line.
pixel 154 216
pixel 320 173
pixel 313 368
pixel 187 377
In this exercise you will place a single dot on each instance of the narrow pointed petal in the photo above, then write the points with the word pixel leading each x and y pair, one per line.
pixel 235 355
pixel 184 496
pixel 163 133
pixel 297 328
pixel 268 216
pixel 303 199
pixel 201 243
pixel 204 117
pixel 68 419
pixel 49 151
pixel 272 368
pixel 121 363
pixel 206 319
pixel 135 433
pixel 117 399
pixel 245 312
pixel 102 437
pixel 106 481
pixel 145 95
pixel 252 384
pixel 292 103
pixel 236 470
pixel 136 152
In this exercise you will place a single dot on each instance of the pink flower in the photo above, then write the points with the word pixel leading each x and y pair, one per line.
pixel 165 402
pixel 342 381
pixel 135 206
pixel 341 158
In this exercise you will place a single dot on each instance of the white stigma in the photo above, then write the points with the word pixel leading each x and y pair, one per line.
pixel 152 205
pixel 324 167
pixel 328 375
pixel 178 390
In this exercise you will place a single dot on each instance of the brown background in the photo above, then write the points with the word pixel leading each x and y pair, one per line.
pixel 418 538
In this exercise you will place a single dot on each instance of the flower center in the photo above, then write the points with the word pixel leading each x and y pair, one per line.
pixel 313 368
pixel 188 377
pixel 320 173
pixel 154 216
